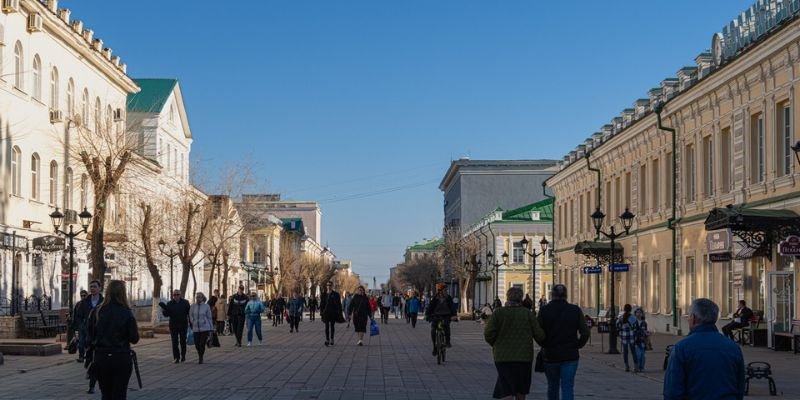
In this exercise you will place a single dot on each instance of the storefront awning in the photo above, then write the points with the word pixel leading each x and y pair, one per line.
pixel 599 249
pixel 757 230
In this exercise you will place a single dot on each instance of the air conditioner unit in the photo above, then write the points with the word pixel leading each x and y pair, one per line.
pixel 55 116
pixel 10 6
pixel 34 22
pixel 118 115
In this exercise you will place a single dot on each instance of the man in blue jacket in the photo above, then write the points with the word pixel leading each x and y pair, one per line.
pixel 705 364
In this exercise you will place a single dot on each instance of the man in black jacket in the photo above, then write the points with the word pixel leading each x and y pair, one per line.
pixel 741 319
pixel 83 310
pixel 442 309
pixel 236 314
pixel 566 332
pixel 177 310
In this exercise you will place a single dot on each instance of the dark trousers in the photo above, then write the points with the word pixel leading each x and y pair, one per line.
pixel 728 329
pixel 237 324
pixel 311 314
pixel 200 339
pixel 385 315
pixel 178 335
pixel 276 318
pixel 83 335
pixel 294 321
pixel 330 330
pixel 220 327
pixel 446 330
pixel 413 318
pixel 113 371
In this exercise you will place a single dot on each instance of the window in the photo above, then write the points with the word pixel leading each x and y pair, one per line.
pixel 175 160
pixel 757 149
pixel 19 66
pixel 171 113
pixel 582 218
pixel 655 181
pixel 85 108
pixel 53 183
pixel 98 116
pixel 709 267
pixel 708 167
pixel 109 119
pixel 725 161
pixel 627 190
pixel 35 171
pixel 571 218
pixel 690 174
pixel 518 254
pixel 70 99
pixel 37 78
pixel 84 190
pixel 644 286
pixel 54 89
pixel 784 140
pixel 16 164
pixel 169 159
pixel 673 274
pixel 727 288
pixel 618 207
pixel 68 189
pixel 656 306
pixel 182 168
pixel 642 190
pixel 608 209
pixel 691 281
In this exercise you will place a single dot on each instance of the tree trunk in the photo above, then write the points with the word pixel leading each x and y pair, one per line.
pixel 211 277
pixel 97 248
pixel 194 283
pixel 146 236
pixel 226 268
pixel 184 276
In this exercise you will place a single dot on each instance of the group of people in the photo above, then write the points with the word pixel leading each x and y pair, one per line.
pixel 633 335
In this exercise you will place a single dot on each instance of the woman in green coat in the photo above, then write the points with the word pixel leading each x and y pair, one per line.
pixel 511 331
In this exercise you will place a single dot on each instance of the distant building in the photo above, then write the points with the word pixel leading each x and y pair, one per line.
pixel 473 188
pixel 428 248
pixel 308 211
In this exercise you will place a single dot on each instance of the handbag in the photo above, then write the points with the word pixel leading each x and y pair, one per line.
pixel 538 366
pixel 374 330
pixel 189 337
pixel 72 348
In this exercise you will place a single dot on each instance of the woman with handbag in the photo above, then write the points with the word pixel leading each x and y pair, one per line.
pixel 360 312
pixel 201 323
pixel 112 329
pixel 511 331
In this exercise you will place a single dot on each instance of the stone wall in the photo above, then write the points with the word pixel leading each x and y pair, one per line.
pixel 10 327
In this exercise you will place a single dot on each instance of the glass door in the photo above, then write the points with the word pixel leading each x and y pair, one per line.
pixel 781 303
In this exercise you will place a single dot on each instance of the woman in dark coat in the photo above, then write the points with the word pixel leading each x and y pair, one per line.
pixel 331 312
pixel 112 329
pixel 361 313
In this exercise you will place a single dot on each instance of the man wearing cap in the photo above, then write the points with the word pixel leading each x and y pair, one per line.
pixel 236 313
pixel 440 308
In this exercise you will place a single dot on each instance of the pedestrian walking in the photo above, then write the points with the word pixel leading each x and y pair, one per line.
pixel 236 314
pixel 220 313
pixel 373 306
pixel 403 313
pixel 112 330
pixel 565 333
pixel 360 312
pixel 511 332
pixel 441 308
pixel 412 309
pixel 386 304
pixel 626 324
pixel 542 301
pixel 177 310
pixel 277 306
pixel 704 364
pixel 348 300
pixel 295 307
pixel 640 334
pixel 528 302
pixel 331 312
pixel 201 322
pixel 252 311
pixel 396 305
pixel 741 319
pixel 81 315
pixel 313 305
pixel 497 303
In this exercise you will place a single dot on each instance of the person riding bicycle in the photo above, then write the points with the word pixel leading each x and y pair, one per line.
pixel 441 308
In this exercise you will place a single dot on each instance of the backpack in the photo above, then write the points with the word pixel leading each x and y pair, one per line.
pixel 639 333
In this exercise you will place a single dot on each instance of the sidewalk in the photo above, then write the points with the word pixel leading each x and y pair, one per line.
pixel 784 363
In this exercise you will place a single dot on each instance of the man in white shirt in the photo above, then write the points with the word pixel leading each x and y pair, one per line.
pixel 386 304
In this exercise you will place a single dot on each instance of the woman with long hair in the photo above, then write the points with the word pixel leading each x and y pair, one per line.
pixel 360 312
pixel 202 324
pixel 112 330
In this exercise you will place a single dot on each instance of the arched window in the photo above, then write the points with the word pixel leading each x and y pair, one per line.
pixel 169 158
pixel 53 182
pixel 109 119
pixel 181 169
pixel 37 78
pixel 85 108
pixel 70 99
pixel 171 113
pixel 54 89
pixel 35 172
pixel 175 161
pixel 19 66
pixel 98 116
pixel 16 165
pixel 84 190
pixel 68 189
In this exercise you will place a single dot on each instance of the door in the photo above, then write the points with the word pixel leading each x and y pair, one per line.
pixel 780 309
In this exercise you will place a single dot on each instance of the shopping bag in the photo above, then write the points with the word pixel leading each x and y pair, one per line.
pixel 373 328
pixel 189 337
pixel 72 348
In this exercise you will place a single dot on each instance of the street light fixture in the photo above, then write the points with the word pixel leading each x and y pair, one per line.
pixel 496 265
pixel 627 220
pixel 533 255
pixel 169 252
pixel 57 217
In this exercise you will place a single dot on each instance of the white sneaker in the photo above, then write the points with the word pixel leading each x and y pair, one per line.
pixel 249 344
pixel 260 343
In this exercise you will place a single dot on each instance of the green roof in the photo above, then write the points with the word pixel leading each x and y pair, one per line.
pixel 432 244
pixel 293 224
pixel 153 96
pixel 523 214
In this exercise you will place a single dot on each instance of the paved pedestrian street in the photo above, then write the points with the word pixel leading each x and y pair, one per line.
pixel 397 364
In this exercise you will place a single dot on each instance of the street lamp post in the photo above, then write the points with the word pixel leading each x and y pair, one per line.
pixel 627 221
pixel 496 265
pixel 533 255
pixel 57 217
pixel 250 268
pixel 169 252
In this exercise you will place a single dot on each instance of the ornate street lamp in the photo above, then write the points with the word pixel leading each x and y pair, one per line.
pixel 533 255
pixel 627 220
pixel 171 253
pixel 57 217
pixel 496 265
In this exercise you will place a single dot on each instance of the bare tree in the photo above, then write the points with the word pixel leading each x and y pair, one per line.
pixel 193 219
pixel 420 273
pixel 290 263
pixel 455 251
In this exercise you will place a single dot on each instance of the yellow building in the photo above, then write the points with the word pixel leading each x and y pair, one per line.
pixel 734 117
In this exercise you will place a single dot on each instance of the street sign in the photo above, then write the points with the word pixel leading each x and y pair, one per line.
pixel 790 246
pixel 620 267
pixel 593 270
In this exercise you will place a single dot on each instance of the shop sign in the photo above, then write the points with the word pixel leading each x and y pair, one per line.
pixel 592 270
pixel 10 240
pixel 790 246
pixel 49 243
pixel 738 278
pixel 620 267
pixel 720 257
pixel 718 241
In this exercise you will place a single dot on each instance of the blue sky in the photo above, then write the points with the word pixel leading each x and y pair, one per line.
pixel 363 104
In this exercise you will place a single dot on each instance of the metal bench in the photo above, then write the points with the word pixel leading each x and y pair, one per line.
pixel 784 341
pixel 55 321
pixel 745 333
pixel 760 370
pixel 33 324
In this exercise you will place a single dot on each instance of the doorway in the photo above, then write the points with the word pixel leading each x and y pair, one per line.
pixel 780 299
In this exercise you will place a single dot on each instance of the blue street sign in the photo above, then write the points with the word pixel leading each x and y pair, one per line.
pixel 620 267
pixel 592 270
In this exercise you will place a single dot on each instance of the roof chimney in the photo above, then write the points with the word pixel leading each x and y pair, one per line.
pixel 608 131
pixel 642 107
pixel 705 63
pixel 64 15
pixel 597 138
pixel 627 117
pixel 670 87
pixel 687 77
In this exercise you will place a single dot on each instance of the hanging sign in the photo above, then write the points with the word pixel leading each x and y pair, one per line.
pixel 592 270
pixel 49 243
pixel 790 246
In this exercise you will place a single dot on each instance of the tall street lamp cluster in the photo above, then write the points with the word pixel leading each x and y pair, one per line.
pixel 533 255
pixel 490 260
pixel 627 221
pixel 171 253
pixel 57 217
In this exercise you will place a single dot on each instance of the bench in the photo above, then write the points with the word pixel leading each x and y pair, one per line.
pixel 759 370
pixel 44 323
pixel 784 341
pixel 32 324
pixel 55 321
pixel 747 334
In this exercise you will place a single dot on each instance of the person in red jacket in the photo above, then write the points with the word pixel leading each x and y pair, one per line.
pixel 373 306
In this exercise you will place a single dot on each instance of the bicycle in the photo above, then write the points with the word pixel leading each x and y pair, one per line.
pixel 441 342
